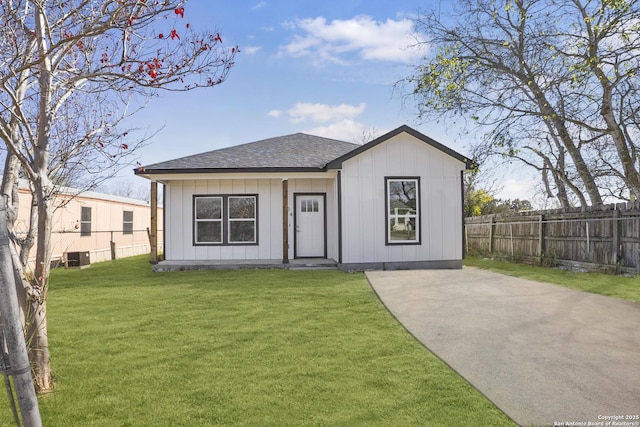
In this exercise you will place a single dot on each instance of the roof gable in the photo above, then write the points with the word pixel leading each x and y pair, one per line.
pixel 296 151
pixel 337 163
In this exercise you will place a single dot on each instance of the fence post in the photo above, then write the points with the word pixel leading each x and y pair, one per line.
pixel 616 255
pixel 541 237
pixel 588 241
pixel 491 234
pixel 153 233
pixel 112 244
pixel 466 239
pixel 511 237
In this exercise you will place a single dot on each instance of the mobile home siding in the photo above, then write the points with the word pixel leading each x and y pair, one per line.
pixel 106 225
pixel 364 205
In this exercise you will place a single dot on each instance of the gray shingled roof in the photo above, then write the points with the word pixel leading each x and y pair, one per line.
pixel 290 151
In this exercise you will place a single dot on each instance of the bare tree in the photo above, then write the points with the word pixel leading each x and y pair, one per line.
pixel 68 73
pixel 556 82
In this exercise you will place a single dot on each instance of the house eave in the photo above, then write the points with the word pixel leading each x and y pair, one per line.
pixel 234 173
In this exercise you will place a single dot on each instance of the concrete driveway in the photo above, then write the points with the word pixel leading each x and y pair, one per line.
pixel 544 354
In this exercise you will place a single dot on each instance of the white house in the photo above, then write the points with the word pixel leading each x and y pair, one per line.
pixel 395 202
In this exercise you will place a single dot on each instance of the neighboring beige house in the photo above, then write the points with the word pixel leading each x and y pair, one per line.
pixel 91 227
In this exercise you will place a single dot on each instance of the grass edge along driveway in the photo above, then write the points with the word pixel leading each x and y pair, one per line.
pixel 623 287
pixel 250 347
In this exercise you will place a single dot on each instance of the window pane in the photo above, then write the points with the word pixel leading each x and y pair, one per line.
pixel 85 229
pixel 402 229
pixel 209 208
pixel 402 197
pixel 85 214
pixel 209 232
pixel 85 221
pixel 127 222
pixel 242 207
pixel 242 231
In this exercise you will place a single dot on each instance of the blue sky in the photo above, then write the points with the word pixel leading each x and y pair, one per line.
pixel 326 68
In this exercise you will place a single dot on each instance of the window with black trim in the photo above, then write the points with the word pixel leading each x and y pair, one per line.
pixel 85 221
pixel 225 219
pixel 403 210
pixel 127 222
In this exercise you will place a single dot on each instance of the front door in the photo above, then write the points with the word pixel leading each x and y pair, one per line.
pixel 310 226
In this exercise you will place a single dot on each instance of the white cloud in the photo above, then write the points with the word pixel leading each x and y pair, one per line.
pixel 368 39
pixel 344 130
pixel 259 5
pixel 250 50
pixel 274 113
pixel 322 113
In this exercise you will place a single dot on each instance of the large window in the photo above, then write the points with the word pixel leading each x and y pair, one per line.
pixel 222 220
pixel 85 221
pixel 403 210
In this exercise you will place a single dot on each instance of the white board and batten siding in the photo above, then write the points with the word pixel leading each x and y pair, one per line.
pixel 364 224
pixel 179 219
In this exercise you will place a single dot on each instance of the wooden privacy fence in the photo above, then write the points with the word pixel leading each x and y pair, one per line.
pixel 603 238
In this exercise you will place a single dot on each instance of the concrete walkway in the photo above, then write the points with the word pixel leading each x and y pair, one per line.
pixel 544 354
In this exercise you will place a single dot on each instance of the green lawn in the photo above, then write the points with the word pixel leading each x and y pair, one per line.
pixel 257 347
pixel 604 284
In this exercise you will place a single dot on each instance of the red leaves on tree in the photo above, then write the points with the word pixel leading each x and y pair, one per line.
pixel 153 68
pixel 180 11
pixel 174 35
pixel 217 38
pixel 124 146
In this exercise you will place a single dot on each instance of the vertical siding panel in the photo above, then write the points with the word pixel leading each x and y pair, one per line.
pixel 186 220
pixel 367 216
pixel 437 208
pixel 351 211
pixel 274 243
pixel 175 218
pixel 265 220
pixel 332 219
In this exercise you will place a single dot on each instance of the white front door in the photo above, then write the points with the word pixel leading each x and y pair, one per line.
pixel 310 226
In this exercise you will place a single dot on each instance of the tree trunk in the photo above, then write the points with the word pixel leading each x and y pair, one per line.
pixel 558 128
pixel 36 330
pixel 38 345
pixel 12 331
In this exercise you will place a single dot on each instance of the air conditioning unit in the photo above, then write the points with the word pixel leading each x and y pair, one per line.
pixel 78 259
